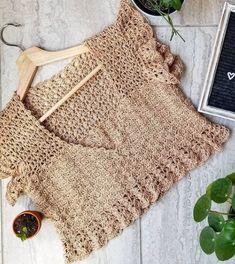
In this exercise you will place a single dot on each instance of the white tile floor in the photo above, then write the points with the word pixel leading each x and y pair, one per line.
pixel 167 234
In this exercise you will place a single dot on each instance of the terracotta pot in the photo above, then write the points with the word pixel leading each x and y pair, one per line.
pixel 36 214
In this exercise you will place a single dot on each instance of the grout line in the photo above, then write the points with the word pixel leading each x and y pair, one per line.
pixel 1 222
pixel 140 231
pixel 1 201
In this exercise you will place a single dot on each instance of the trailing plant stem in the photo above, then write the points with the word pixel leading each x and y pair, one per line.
pixel 168 19
pixel 216 212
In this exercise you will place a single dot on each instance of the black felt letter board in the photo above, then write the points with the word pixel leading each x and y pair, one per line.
pixel 223 89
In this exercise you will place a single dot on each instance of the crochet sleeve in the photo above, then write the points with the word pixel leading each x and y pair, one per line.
pixel 23 148
pixel 16 185
pixel 11 166
pixel 155 54
pixel 15 171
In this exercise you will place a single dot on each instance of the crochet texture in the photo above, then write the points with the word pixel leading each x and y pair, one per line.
pixel 114 148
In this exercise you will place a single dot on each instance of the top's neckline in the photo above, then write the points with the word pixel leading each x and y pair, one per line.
pixel 16 112
pixel 123 17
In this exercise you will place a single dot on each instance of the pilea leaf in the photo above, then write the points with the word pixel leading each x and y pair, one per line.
pixel 224 247
pixel 201 208
pixel 216 221
pixel 221 189
pixel 229 230
pixel 207 240
pixel 208 190
pixel 231 177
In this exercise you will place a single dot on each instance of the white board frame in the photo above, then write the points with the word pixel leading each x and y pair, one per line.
pixel 203 103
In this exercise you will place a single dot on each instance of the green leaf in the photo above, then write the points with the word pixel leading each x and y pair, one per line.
pixel 23 234
pixel 221 189
pixel 231 177
pixel 229 230
pixel 23 237
pixel 24 230
pixel 208 190
pixel 201 208
pixel 216 221
pixel 207 240
pixel 166 3
pixel 176 4
pixel 224 248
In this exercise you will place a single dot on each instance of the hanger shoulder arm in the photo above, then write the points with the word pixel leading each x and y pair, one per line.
pixel 27 70
pixel 29 61
pixel 26 81
pixel 42 57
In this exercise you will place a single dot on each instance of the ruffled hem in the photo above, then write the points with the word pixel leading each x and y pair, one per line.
pixel 148 188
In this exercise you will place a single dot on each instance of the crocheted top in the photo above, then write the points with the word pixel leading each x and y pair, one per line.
pixel 97 163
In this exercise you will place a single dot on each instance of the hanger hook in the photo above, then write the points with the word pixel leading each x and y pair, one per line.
pixel 7 43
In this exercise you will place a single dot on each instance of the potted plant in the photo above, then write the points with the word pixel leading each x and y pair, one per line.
pixel 161 8
pixel 27 224
pixel 219 235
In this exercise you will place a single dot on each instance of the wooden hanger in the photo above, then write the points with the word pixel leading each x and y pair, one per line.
pixel 32 58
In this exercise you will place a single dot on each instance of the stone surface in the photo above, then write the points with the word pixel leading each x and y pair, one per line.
pixel 166 234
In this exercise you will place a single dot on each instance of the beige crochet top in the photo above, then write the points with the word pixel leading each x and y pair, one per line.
pixel 115 147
